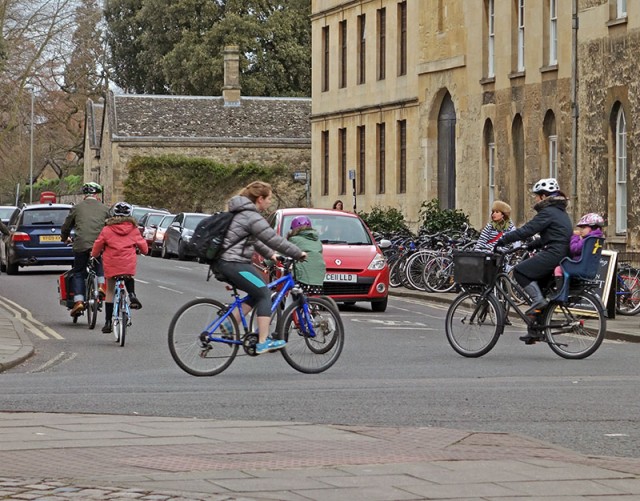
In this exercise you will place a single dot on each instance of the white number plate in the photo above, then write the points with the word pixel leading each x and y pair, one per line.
pixel 340 277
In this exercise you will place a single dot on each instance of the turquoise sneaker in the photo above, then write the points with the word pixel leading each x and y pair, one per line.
pixel 270 345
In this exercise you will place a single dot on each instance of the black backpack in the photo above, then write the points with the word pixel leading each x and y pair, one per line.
pixel 208 237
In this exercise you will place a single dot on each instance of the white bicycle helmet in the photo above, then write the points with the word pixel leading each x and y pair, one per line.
pixel 591 219
pixel 548 185
pixel 122 209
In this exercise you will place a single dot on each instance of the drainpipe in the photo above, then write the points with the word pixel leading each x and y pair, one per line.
pixel 574 107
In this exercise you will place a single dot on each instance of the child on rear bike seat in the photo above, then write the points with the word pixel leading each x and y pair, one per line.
pixel 309 273
pixel 249 232
pixel 590 225
pixel 555 228
pixel 118 242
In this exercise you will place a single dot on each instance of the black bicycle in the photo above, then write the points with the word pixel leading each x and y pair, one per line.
pixel 573 324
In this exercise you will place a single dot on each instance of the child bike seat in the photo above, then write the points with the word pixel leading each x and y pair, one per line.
pixel 584 268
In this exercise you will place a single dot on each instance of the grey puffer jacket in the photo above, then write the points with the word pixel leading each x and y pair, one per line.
pixel 250 231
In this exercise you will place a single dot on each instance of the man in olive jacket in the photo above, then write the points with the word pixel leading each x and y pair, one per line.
pixel 87 217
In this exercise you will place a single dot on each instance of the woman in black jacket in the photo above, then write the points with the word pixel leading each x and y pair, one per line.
pixel 555 228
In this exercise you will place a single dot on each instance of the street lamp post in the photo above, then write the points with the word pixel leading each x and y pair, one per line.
pixel 31 152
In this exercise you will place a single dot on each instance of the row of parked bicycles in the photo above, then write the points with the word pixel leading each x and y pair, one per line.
pixel 425 262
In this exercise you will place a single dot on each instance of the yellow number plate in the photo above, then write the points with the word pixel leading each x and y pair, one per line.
pixel 49 238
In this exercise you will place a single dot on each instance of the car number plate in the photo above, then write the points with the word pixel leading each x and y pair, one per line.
pixel 49 238
pixel 341 277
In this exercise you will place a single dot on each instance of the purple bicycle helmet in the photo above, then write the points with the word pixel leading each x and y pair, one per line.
pixel 591 219
pixel 300 221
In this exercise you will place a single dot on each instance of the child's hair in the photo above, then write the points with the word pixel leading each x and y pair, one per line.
pixel 256 189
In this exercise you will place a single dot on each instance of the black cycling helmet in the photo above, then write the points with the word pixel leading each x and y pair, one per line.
pixel 91 188
pixel 122 209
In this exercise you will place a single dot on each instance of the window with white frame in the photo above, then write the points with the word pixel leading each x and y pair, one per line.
pixel 621 9
pixel 491 38
pixel 491 160
pixel 553 156
pixel 520 35
pixel 621 172
pixel 553 32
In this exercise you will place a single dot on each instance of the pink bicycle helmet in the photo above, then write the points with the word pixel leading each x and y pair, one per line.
pixel 299 221
pixel 591 219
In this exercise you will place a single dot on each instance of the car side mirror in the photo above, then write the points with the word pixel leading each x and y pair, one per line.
pixel 384 243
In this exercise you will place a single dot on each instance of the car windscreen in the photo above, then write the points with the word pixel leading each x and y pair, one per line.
pixel 5 213
pixel 335 229
pixel 139 212
pixel 190 222
pixel 166 221
pixel 44 217
pixel 154 219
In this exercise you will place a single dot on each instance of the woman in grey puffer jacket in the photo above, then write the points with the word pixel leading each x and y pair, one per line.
pixel 249 232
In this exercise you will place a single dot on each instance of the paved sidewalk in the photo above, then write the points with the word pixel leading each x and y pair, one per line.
pixel 86 456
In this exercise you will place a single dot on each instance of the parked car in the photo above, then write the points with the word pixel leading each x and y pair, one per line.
pixel 179 233
pixel 35 238
pixel 148 225
pixel 6 211
pixel 155 249
pixel 139 211
pixel 356 267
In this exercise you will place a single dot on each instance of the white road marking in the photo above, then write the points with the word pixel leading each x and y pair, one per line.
pixel 25 316
pixel 61 357
pixel 141 281
pixel 169 289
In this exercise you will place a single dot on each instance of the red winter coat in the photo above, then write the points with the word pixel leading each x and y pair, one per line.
pixel 117 242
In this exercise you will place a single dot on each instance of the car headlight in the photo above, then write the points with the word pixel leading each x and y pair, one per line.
pixel 378 262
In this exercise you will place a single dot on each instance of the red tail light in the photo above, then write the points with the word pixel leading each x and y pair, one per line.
pixel 18 236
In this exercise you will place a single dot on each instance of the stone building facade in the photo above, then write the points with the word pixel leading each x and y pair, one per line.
pixel 469 102
pixel 229 129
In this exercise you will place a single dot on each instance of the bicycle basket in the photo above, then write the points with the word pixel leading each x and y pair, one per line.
pixel 473 267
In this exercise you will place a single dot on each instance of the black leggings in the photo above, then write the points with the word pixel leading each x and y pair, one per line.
pixel 247 278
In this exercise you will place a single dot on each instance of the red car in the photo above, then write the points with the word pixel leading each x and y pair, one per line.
pixel 356 268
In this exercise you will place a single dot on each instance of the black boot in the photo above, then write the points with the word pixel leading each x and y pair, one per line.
pixel 531 337
pixel 538 301
pixel 134 301
pixel 108 313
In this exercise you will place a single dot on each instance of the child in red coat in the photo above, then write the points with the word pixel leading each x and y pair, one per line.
pixel 118 242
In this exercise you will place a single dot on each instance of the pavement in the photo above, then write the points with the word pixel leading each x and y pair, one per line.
pixel 54 456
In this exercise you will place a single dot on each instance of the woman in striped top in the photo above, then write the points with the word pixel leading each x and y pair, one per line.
pixel 500 223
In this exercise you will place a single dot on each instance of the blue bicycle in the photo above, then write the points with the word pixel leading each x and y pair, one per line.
pixel 202 346
pixel 121 310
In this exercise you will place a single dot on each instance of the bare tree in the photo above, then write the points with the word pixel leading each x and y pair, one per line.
pixel 39 45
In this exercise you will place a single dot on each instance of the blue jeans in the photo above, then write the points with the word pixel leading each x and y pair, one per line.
pixel 80 262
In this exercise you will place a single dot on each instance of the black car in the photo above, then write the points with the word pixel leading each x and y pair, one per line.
pixel 179 233
pixel 35 238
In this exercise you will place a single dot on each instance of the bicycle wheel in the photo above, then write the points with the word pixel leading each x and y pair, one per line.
pixel 115 319
pixel 314 340
pixel 188 338
pixel 576 328
pixel 438 275
pixel 123 318
pixel 628 292
pixel 414 269
pixel 395 272
pixel 474 323
pixel 93 301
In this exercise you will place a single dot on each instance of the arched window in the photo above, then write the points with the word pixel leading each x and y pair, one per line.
pixel 621 172
pixel 447 154
pixel 517 181
pixel 551 139
pixel 490 160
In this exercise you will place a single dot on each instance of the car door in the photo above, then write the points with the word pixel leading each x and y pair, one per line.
pixel 174 233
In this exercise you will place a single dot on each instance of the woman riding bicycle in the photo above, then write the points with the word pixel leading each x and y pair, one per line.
pixel 247 232
pixel 554 226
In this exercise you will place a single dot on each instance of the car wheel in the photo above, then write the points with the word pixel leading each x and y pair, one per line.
pixel 12 269
pixel 164 253
pixel 182 251
pixel 379 306
pixel 3 267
